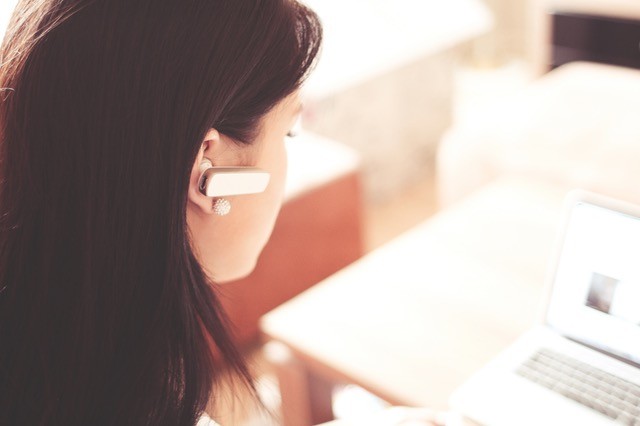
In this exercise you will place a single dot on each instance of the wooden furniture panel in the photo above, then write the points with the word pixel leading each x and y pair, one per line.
pixel 594 38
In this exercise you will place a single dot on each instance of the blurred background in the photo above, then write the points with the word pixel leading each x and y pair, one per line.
pixel 429 103
pixel 415 105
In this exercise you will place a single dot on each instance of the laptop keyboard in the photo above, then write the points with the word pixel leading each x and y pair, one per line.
pixel 612 396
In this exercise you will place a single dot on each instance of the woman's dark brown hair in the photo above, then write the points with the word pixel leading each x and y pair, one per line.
pixel 106 316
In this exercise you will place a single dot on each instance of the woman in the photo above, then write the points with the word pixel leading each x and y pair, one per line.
pixel 112 111
pixel 118 120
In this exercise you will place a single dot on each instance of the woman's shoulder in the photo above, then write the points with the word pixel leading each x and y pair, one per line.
pixel 205 420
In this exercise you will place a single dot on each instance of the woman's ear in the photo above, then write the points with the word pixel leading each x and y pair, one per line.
pixel 212 148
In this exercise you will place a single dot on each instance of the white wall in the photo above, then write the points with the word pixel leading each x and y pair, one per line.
pixel 6 8
pixel 510 37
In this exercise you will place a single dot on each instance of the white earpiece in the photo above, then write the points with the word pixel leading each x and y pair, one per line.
pixel 226 181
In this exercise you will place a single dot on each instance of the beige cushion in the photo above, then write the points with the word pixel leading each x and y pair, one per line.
pixel 577 126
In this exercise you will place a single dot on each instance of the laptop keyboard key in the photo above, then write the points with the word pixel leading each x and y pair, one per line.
pixel 610 395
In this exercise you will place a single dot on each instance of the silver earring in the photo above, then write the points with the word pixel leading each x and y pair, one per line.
pixel 221 206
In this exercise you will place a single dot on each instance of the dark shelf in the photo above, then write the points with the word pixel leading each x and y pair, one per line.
pixel 580 37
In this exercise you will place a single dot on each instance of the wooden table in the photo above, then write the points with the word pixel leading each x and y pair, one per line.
pixel 412 320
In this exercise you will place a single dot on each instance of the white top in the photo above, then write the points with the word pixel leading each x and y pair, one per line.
pixel 205 420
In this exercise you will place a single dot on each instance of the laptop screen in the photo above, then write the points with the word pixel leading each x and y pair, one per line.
pixel 596 291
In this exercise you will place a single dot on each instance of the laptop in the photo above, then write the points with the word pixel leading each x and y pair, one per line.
pixel 581 364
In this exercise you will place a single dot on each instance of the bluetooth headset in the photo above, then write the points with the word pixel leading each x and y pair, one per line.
pixel 220 181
